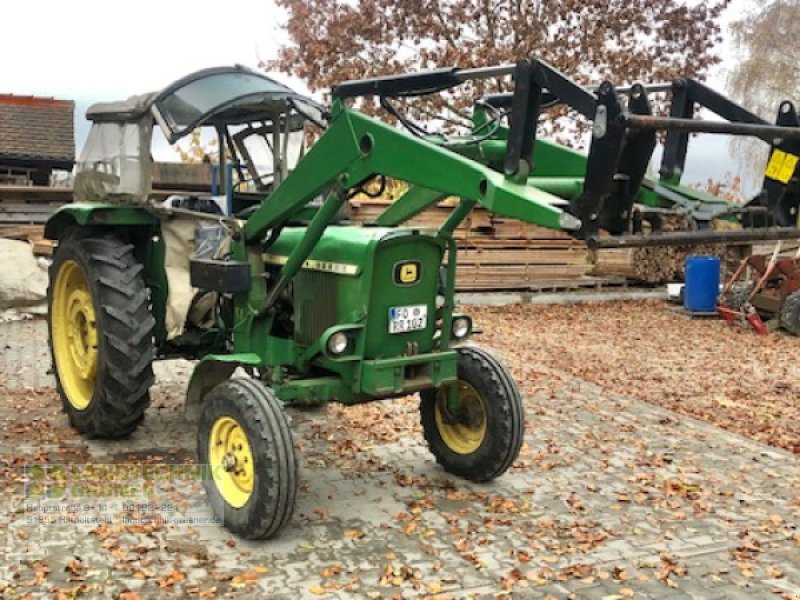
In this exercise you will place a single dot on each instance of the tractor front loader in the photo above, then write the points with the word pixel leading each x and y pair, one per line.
pixel 264 274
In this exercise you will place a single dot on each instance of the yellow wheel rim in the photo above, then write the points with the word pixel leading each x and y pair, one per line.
pixel 231 461
pixel 74 331
pixel 464 431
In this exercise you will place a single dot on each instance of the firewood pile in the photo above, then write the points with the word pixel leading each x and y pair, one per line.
pixel 665 263
pixel 660 265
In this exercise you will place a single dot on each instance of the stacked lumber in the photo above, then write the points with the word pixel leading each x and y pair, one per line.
pixel 33 234
pixel 22 205
pixel 21 232
pixel 496 253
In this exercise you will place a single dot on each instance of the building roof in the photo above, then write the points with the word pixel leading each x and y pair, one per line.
pixel 37 130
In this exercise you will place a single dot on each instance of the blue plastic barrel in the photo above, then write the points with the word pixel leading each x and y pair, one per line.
pixel 702 283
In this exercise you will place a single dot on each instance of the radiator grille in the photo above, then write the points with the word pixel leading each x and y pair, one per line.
pixel 315 301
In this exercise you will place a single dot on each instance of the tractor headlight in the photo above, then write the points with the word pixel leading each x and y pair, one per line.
pixel 462 326
pixel 337 343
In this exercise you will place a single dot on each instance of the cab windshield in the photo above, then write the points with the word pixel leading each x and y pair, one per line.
pixel 222 96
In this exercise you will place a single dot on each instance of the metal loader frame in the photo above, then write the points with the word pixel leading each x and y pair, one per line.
pixel 602 191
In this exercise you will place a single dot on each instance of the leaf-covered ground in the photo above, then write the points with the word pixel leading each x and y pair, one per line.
pixel 727 376
pixel 610 498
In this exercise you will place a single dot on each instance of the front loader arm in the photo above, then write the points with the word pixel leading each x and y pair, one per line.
pixel 356 147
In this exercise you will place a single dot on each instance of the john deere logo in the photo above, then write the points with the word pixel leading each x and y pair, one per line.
pixel 407 272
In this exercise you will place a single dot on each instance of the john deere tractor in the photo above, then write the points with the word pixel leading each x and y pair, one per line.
pixel 263 275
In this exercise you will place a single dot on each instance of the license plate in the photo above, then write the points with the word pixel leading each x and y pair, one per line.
pixel 403 319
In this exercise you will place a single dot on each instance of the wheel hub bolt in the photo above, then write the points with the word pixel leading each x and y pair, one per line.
pixel 229 462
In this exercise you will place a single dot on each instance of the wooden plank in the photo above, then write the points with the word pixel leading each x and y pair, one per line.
pixel 34 193
pixel 42 247
pixel 21 232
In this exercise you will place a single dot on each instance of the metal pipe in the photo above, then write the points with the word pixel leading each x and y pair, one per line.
pixel 651 88
pixel 682 238
pixel 768 133
pixel 503 99
pixel 485 72
pixel 459 214
pixel 567 188
pixel 229 166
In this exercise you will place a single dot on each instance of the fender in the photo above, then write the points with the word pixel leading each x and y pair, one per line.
pixel 211 371
pixel 95 215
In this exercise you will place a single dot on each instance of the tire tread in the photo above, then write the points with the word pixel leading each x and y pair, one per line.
pixel 125 327
pixel 259 409
pixel 790 313
pixel 509 415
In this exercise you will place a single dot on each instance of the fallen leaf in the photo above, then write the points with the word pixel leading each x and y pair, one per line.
pixel 774 573
pixel 433 588
pixel 316 589
pixel 354 534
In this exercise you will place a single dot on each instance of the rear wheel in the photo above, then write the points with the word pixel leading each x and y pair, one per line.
pixel 244 437
pixel 101 335
pixel 481 437
pixel 790 313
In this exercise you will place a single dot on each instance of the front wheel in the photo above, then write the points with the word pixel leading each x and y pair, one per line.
pixel 479 436
pixel 244 438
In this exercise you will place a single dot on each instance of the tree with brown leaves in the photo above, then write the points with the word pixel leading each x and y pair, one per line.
pixel 624 41
pixel 767 70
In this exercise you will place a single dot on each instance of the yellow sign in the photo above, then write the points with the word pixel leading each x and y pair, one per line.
pixel 408 273
pixel 781 166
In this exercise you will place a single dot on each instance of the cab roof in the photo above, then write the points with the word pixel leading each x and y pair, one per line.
pixel 263 94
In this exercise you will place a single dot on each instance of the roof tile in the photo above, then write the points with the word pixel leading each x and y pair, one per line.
pixel 37 129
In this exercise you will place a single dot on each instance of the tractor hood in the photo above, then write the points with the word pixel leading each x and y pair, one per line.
pixel 344 250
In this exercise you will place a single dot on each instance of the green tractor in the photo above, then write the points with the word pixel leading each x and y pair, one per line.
pixel 264 273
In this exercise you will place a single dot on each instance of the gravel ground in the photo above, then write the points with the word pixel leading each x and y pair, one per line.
pixel 611 498
pixel 728 376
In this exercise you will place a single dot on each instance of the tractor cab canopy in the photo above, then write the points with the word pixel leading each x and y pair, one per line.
pixel 258 124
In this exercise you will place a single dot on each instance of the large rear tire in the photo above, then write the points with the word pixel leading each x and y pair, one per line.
pixel 482 438
pixel 244 438
pixel 100 334
pixel 790 313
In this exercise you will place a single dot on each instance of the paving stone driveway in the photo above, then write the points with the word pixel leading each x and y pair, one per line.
pixel 612 498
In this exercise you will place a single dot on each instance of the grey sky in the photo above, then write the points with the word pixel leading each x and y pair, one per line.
pixel 94 52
